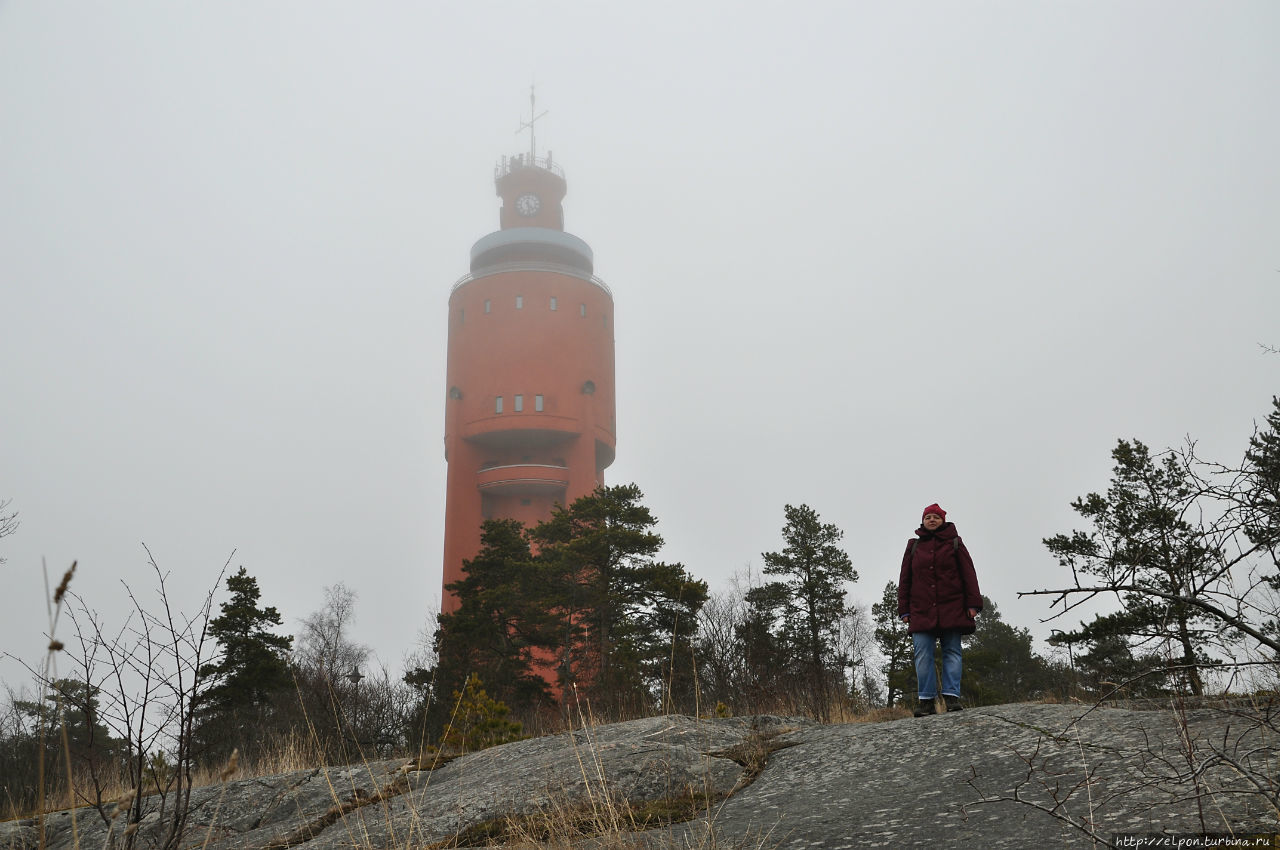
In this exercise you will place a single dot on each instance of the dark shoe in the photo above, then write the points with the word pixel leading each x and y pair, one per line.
pixel 953 703
pixel 926 707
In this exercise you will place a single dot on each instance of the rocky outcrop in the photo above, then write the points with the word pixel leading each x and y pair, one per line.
pixel 1002 776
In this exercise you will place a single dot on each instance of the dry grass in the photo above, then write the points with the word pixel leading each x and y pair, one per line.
pixel 290 754
pixel 603 819
pixel 881 715
pixel 298 752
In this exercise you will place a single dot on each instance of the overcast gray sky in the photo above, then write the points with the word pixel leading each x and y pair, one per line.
pixel 864 257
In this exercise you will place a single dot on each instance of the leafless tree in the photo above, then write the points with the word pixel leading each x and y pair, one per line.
pixel 423 654
pixel 8 521
pixel 329 667
pixel 718 647
pixel 856 643
pixel 140 688
pixel 324 641
pixel 378 710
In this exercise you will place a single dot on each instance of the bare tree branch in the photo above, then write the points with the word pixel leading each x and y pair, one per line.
pixel 8 521
pixel 1195 601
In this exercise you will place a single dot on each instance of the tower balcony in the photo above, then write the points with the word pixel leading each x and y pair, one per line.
pixel 539 244
pixel 523 478
pixel 531 266
pixel 509 164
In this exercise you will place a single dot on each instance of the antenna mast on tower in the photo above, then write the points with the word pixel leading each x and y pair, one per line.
pixel 528 125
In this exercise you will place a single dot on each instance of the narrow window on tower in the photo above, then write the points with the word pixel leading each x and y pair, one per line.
pixel 487 305
pixel 519 302
pixel 582 310
pixel 537 403
pixel 519 405
pixel 497 405
pixel 606 319
pixel 554 302
pixel 462 316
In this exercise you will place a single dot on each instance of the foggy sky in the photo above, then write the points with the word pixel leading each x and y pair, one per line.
pixel 864 257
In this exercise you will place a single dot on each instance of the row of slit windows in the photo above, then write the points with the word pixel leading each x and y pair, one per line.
pixel 517 404
pixel 555 307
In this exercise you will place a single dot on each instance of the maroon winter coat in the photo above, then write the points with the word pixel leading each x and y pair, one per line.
pixel 937 584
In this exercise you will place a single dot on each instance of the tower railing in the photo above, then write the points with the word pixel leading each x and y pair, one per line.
pixel 509 164
pixel 502 268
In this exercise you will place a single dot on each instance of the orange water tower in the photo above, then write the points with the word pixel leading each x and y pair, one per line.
pixel 529 419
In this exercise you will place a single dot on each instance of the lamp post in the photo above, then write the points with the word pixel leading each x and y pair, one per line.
pixel 354 678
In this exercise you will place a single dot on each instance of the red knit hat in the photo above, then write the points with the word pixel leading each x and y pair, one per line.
pixel 934 509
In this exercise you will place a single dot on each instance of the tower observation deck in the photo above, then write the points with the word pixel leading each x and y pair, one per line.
pixel 530 412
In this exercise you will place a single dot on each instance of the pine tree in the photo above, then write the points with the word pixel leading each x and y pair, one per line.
pixel 1262 467
pixel 1108 665
pixel 478 721
pixel 592 609
pixel 895 645
pixel 1142 539
pixel 627 615
pixel 1261 499
pixel 1000 665
pixel 251 672
pixel 768 674
pixel 506 614
pixel 71 709
pixel 806 606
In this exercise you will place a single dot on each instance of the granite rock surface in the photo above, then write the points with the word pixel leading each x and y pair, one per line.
pixel 999 776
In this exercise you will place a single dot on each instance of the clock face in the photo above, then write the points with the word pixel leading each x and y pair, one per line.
pixel 528 204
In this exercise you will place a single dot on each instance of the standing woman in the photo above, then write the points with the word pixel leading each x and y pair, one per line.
pixel 938 599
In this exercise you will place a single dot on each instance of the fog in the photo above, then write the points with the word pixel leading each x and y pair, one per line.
pixel 864 257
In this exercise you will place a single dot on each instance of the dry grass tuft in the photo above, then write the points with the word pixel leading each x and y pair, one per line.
pixel 230 770
pixel 882 715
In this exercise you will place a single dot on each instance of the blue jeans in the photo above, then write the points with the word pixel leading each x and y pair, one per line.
pixel 926 677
